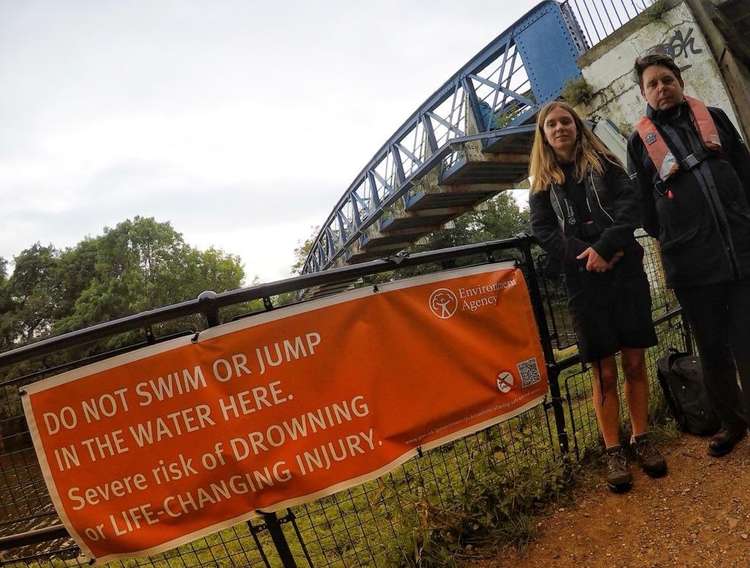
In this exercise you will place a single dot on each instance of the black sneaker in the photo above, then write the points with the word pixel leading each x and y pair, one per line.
pixel 725 440
pixel 648 456
pixel 618 475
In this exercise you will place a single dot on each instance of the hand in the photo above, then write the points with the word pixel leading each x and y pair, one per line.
pixel 594 262
pixel 615 259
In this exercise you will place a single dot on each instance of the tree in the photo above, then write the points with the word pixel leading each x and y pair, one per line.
pixel 302 250
pixel 498 218
pixel 139 265
pixel 33 292
pixel 6 320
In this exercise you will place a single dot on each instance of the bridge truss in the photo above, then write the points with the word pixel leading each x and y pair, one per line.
pixel 470 139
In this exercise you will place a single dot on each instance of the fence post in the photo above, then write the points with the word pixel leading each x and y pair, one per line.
pixel 207 301
pixel 553 370
pixel 279 540
pixel 210 310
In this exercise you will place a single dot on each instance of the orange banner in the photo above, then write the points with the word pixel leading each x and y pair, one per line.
pixel 154 448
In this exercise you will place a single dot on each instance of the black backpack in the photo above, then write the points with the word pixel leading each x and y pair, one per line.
pixel 681 379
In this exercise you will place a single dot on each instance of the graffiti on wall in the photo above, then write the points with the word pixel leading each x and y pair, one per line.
pixel 679 45
pixel 683 45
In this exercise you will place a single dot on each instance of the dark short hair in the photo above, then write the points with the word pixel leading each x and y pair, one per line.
pixel 646 61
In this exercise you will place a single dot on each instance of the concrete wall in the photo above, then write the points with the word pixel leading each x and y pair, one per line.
pixel 608 67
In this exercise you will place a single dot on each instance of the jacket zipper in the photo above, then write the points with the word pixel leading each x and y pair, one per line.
pixel 561 221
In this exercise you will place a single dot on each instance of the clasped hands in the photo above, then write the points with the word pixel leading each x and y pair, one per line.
pixel 595 263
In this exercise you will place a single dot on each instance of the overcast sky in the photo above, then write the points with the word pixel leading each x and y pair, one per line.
pixel 240 122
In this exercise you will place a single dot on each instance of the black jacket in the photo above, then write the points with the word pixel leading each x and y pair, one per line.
pixel 614 208
pixel 704 233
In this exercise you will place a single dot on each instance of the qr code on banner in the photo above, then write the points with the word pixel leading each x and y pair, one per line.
pixel 529 372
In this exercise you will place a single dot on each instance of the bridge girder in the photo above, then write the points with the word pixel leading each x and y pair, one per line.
pixel 468 141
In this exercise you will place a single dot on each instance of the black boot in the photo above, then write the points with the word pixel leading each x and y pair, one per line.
pixel 726 439
pixel 618 474
pixel 648 456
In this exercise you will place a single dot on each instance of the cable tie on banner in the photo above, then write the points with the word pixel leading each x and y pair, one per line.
pixel 397 258
pixel 375 288
pixel 22 392
pixel 420 453
pixel 150 338
pixel 194 339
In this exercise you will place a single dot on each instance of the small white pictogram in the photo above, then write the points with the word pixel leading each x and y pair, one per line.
pixel 505 382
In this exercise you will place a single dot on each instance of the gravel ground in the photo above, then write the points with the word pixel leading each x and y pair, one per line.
pixel 696 516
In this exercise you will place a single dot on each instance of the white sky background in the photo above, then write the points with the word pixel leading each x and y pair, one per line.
pixel 240 122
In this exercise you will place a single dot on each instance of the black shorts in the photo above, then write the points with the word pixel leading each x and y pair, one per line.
pixel 610 310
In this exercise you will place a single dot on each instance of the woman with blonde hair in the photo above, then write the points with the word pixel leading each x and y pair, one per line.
pixel 584 211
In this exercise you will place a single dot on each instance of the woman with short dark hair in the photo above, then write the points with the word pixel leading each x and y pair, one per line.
pixel 584 212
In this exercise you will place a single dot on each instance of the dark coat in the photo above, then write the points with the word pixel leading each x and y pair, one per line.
pixel 704 240
pixel 613 204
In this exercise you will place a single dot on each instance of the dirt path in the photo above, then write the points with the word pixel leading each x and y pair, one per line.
pixel 697 516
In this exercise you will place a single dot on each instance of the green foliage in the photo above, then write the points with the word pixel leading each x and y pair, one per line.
pixel 302 250
pixel 32 292
pixel 578 91
pixel 6 323
pixel 656 12
pixel 138 265
pixel 498 218
pixel 494 508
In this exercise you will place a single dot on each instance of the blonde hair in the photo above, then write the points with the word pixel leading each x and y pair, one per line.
pixel 544 169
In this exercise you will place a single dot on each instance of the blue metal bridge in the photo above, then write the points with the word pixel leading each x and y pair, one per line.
pixel 470 139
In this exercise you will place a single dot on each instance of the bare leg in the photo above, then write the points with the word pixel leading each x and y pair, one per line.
pixel 636 388
pixel 606 403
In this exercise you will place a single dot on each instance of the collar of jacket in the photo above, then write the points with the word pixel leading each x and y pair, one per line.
pixel 592 183
pixel 670 115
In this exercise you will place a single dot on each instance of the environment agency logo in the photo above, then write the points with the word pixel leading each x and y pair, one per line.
pixel 443 303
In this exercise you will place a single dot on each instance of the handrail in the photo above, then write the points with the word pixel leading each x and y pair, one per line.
pixel 208 302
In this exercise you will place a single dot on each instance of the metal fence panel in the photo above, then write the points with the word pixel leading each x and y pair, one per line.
pixel 388 521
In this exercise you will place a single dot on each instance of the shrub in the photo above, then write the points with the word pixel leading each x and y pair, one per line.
pixel 578 91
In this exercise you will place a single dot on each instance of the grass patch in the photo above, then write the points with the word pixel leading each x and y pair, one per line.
pixel 493 509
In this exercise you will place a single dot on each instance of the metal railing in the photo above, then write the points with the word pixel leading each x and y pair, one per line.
pixel 598 19
pixel 374 524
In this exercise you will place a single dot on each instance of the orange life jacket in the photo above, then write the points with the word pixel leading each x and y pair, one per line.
pixel 660 154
